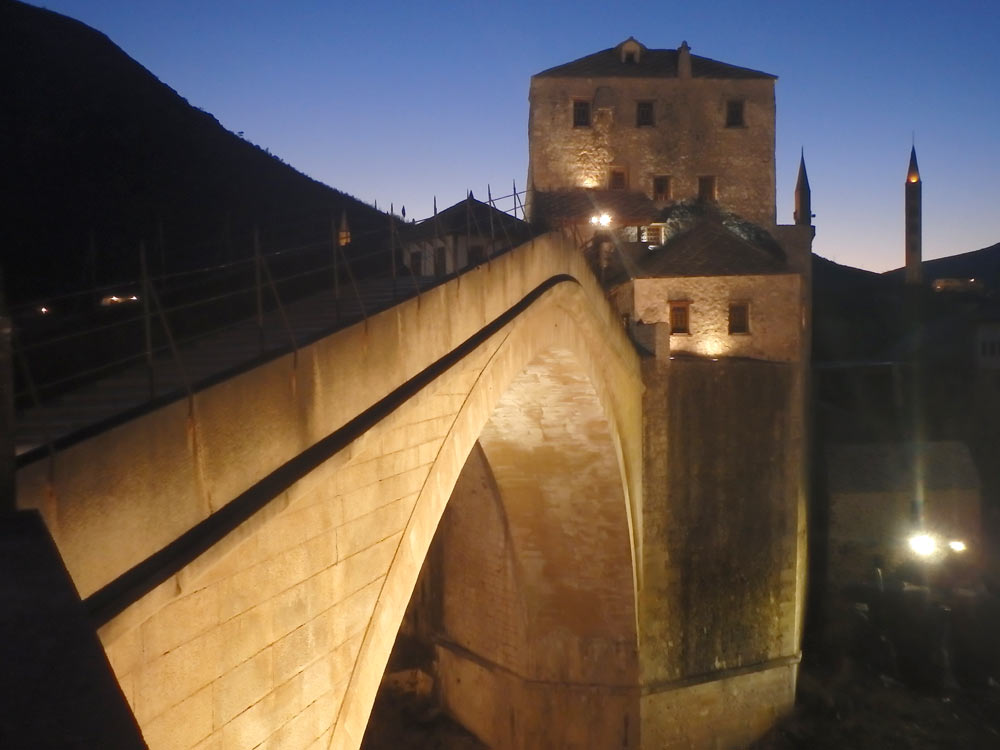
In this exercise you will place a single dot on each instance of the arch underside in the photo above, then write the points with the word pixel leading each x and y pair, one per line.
pixel 542 425
pixel 526 596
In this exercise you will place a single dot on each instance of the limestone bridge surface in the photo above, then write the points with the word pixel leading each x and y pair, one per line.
pixel 249 552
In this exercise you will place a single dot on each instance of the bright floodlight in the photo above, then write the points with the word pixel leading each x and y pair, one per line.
pixel 604 220
pixel 956 545
pixel 923 544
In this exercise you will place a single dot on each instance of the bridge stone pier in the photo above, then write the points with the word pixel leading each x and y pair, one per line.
pixel 249 553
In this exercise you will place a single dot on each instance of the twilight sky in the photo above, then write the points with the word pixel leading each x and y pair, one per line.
pixel 398 101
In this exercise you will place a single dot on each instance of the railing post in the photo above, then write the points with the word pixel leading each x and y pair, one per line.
pixel 147 319
pixel 8 498
pixel 493 235
pixel 392 254
pixel 335 244
pixel 258 289
pixel 468 229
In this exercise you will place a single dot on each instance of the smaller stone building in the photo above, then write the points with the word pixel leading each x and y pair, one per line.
pixel 720 287
pixel 465 234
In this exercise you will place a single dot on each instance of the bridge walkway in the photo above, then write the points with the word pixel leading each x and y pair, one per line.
pixel 209 358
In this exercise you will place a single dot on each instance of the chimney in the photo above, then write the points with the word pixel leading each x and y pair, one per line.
pixel 914 272
pixel 684 61
pixel 803 195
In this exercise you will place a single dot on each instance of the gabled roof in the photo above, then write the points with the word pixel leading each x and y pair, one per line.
pixel 468 216
pixel 653 63
pixel 709 249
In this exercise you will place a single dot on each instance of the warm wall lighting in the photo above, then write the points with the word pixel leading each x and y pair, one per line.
pixel 714 347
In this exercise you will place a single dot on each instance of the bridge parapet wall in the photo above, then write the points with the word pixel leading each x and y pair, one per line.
pixel 120 496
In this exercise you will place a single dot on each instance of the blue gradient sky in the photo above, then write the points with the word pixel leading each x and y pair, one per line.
pixel 399 101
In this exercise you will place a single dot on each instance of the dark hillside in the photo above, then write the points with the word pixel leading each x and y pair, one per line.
pixel 983 265
pixel 98 154
pixel 855 312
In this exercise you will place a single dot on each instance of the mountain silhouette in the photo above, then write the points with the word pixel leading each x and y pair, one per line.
pixel 98 155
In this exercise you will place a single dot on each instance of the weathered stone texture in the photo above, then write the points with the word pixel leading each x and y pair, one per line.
pixel 689 138
pixel 723 514
pixel 776 324
pixel 731 712
pixel 528 587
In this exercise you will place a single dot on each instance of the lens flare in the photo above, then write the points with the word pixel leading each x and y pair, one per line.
pixel 923 544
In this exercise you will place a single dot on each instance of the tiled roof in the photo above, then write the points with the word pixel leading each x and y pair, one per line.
pixel 577 206
pixel 709 249
pixel 469 215
pixel 653 63
pixel 888 467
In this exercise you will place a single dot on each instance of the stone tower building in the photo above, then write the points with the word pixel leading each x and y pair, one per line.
pixel 661 123
pixel 661 165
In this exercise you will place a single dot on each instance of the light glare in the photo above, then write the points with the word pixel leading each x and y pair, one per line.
pixel 923 544
pixel 957 545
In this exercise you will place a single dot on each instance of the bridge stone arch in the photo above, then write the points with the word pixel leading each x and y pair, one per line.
pixel 543 417
pixel 251 633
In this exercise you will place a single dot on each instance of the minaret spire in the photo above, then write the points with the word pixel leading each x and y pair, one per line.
pixel 803 195
pixel 914 272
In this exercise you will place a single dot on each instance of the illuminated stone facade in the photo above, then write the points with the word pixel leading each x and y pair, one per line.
pixel 678 152
pixel 664 123
pixel 637 515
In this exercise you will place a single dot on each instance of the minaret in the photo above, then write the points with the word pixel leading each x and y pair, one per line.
pixel 803 195
pixel 914 274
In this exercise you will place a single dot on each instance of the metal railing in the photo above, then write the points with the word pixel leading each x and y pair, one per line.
pixel 149 328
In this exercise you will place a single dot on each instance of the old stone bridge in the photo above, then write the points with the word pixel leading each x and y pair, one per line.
pixel 621 560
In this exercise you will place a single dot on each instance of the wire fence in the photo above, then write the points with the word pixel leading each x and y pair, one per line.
pixel 153 322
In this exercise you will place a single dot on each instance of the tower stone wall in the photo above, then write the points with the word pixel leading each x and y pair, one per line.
pixel 719 125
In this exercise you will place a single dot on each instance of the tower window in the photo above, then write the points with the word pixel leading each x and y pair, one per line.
pixel 644 114
pixel 581 114
pixel 662 189
pixel 679 319
pixel 706 188
pixel 734 113
pixel 617 180
pixel 739 317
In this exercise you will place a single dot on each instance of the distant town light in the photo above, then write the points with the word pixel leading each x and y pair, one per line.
pixel 43 310
pixel 114 299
